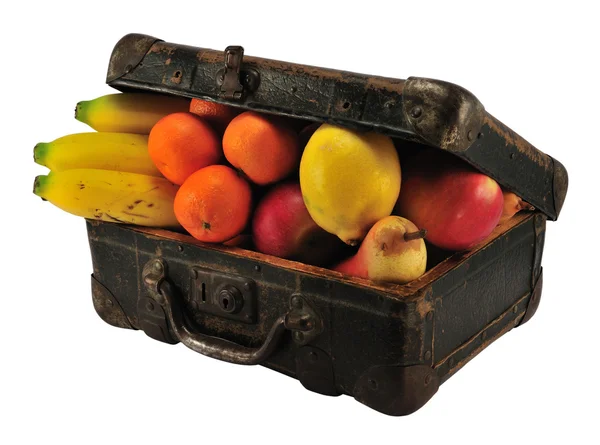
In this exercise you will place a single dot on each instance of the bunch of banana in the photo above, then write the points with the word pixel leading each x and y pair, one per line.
pixel 108 175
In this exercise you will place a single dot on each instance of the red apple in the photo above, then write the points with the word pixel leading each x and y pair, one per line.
pixel 283 227
pixel 456 204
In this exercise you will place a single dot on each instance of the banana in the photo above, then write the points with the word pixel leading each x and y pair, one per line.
pixel 107 195
pixel 128 112
pixel 124 152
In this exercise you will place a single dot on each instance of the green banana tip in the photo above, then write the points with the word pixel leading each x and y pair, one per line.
pixel 79 110
pixel 39 152
pixel 38 185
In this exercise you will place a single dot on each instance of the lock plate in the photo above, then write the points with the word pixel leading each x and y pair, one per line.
pixel 224 295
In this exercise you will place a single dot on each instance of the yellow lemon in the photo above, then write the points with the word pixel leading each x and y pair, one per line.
pixel 349 180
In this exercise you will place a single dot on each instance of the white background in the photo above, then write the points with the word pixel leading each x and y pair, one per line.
pixel 67 377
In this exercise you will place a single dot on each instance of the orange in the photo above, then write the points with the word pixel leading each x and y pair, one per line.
pixel 182 143
pixel 214 204
pixel 262 147
pixel 217 115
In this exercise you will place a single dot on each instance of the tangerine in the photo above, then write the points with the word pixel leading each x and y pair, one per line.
pixel 264 148
pixel 182 143
pixel 217 115
pixel 214 204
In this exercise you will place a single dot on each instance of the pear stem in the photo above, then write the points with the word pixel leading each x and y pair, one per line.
pixel 415 235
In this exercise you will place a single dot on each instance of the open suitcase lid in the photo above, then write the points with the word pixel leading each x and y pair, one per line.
pixel 427 111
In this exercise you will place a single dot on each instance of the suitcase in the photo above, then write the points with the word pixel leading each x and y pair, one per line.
pixel 389 346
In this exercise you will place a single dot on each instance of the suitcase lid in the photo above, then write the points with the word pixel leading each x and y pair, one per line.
pixel 427 111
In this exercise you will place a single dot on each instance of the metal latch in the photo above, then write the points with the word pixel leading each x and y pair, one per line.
pixel 233 81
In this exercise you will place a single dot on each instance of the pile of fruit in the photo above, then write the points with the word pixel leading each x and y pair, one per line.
pixel 316 193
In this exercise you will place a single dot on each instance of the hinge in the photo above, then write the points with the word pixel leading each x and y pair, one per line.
pixel 233 81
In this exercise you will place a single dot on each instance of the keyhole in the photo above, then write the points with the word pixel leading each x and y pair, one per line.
pixel 230 299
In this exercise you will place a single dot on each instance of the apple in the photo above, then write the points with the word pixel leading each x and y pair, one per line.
pixel 282 227
pixel 457 205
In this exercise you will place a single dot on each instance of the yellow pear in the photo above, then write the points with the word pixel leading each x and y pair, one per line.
pixel 393 251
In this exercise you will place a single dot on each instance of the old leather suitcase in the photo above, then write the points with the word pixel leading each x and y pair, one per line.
pixel 388 346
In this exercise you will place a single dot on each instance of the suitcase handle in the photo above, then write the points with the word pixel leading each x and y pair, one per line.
pixel 300 319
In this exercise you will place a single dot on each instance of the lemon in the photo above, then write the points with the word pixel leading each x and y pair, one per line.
pixel 349 180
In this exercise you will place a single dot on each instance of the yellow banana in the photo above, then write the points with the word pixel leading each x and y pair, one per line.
pixel 128 112
pixel 124 152
pixel 107 195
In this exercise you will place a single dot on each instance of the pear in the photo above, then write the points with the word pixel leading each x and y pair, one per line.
pixel 512 205
pixel 393 251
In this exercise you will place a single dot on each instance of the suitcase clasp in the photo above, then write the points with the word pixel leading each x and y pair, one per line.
pixel 234 82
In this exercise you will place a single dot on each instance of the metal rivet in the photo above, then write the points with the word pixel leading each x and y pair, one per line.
pixel 479 135
pixel 247 286
pixel 429 315
pixel 293 89
pixel 298 336
pixel 150 306
pixel 312 356
pixel 515 309
pixel 428 355
pixel 389 104
pixel 158 266
pixel 297 302
pixel 180 248
pixel 372 384
pixel 257 268
pixel 470 135
pixel 512 155
pixel 128 68
pixel 427 379
pixel 451 362
pixel 416 112
pixel 108 302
